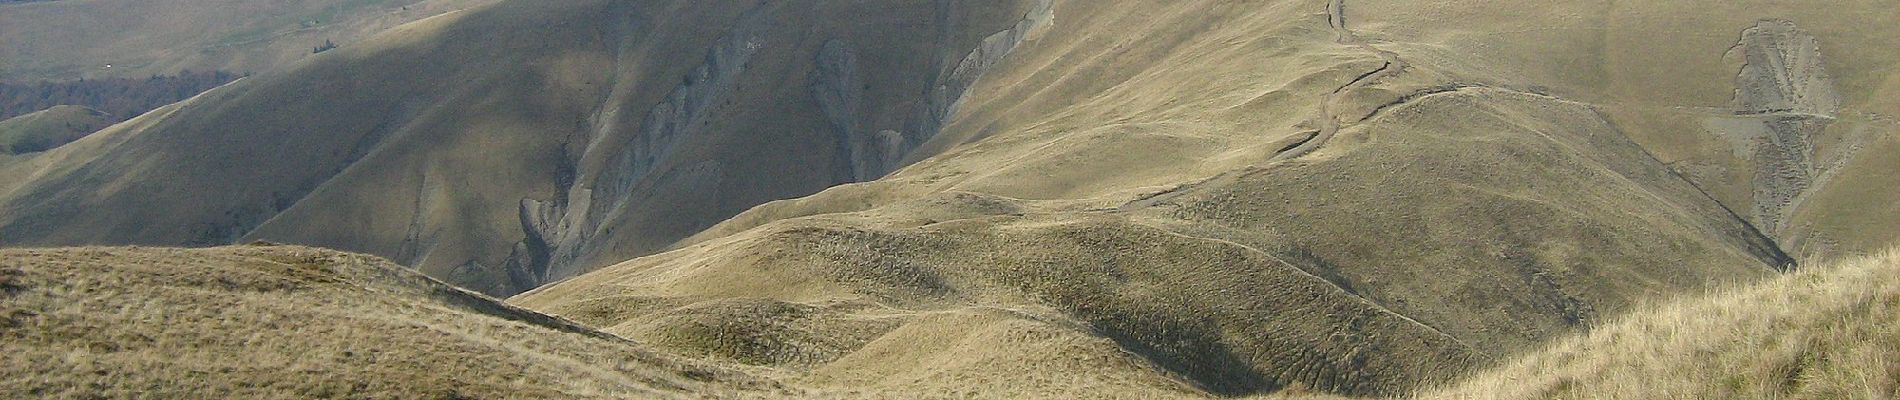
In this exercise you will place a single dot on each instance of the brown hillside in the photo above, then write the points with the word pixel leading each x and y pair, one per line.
pixel 1036 198
pixel 292 322
pixel 1829 332
pixel 1181 200
pixel 589 133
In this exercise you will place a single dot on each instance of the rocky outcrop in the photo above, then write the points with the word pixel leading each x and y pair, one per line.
pixel 1784 87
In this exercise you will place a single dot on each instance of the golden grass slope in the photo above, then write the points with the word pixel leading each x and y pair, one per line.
pixel 1093 306
pixel 1668 73
pixel 293 322
pixel 1123 172
pixel 1199 198
pixel 1231 288
pixel 1827 332
pixel 73 39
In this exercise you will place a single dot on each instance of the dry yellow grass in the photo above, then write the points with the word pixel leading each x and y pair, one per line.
pixel 1118 197
pixel 292 322
pixel 1827 332
pixel 1124 194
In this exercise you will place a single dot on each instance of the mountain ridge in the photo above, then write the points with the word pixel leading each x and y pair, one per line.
pixel 1023 198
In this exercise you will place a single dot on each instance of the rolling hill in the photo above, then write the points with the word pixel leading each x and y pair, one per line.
pixel 280 322
pixel 45 130
pixel 1828 332
pixel 1043 198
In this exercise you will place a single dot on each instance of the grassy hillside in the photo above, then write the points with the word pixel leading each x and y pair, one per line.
pixel 45 130
pixel 1780 110
pixel 1041 198
pixel 1260 202
pixel 292 322
pixel 73 39
pixel 1827 332
pixel 590 132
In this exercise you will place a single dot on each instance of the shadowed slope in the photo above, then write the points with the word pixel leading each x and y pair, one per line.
pixel 45 130
pixel 90 39
pixel 589 132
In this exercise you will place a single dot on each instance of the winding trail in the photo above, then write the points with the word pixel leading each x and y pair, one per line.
pixel 1328 119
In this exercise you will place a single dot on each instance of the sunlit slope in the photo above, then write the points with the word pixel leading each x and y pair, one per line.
pixel 1251 197
pixel 508 146
pixel 1829 332
pixel 291 322
pixel 73 39
pixel 1781 110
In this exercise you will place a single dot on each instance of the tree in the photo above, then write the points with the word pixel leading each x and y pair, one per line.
pixel 327 45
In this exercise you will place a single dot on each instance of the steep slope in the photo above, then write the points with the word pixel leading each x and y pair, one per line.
pixel 1251 197
pixel 89 39
pixel 590 132
pixel 1828 332
pixel 273 322
pixel 45 130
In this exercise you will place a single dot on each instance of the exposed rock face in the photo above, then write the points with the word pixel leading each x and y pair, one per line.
pixel 873 152
pixel 949 92
pixel 1785 88
pixel 562 231
pixel 1783 72
pixel 839 90
pixel 559 231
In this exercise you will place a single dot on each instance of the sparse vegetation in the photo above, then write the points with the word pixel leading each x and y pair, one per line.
pixel 326 46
